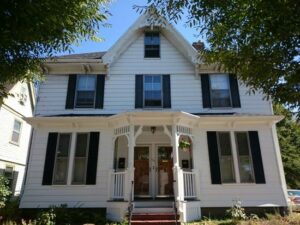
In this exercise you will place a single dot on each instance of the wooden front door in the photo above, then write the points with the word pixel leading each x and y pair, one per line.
pixel 141 172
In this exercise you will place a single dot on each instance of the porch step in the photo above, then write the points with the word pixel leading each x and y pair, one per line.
pixel 154 203
pixel 154 218
pixel 152 210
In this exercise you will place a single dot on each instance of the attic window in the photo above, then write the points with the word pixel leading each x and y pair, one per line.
pixel 152 45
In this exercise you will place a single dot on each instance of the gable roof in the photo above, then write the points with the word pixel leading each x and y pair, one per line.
pixel 143 22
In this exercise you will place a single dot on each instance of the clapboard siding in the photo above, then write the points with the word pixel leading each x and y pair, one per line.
pixel 250 194
pixel 119 93
pixel 35 194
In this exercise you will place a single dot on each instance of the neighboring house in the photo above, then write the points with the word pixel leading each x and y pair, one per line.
pixel 147 120
pixel 15 133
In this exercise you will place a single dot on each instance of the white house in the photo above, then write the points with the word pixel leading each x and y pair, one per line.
pixel 15 133
pixel 111 127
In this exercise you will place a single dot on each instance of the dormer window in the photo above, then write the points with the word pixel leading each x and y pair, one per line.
pixel 152 45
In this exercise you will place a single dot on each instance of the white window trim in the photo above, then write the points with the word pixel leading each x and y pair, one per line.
pixel 210 91
pixel 86 158
pixel 161 92
pixel 13 130
pixel 68 160
pixel 76 92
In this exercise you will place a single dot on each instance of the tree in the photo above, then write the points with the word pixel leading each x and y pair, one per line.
pixel 288 134
pixel 258 40
pixel 33 29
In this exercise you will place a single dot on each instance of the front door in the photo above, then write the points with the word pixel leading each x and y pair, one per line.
pixel 141 172
pixel 153 175
pixel 164 172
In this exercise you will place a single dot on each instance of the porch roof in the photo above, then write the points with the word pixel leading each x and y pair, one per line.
pixel 151 118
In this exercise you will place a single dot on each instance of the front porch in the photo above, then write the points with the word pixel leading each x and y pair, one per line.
pixel 151 170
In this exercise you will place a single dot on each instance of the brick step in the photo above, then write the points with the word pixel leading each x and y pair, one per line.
pixel 153 216
pixel 154 222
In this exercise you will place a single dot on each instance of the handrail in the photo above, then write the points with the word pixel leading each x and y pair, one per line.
pixel 189 184
pixel 175 206
pixel 130 204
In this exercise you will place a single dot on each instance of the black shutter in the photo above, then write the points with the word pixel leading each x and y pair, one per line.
pixel 50 158
pixel 166 91
pixel 205 91
pixel 71 92
pixel 91 172
pixel 256 158
pixel 100 91
pixel 215 172
pixel 139 91
pixel 234 89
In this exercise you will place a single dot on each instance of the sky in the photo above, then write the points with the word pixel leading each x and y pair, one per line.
pixel 123 16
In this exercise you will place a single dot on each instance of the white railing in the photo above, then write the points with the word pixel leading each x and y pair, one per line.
pixel 118 183
pixel 189 184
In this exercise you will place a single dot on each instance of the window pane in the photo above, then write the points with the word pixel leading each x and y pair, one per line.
pixel 81 145
pixel 80 159
pixel 153 91
pixel 220 98
pixel 60 173
pixel 79 171
pixel 219 82
pixel 17 126
pixel 15 137
pixel 244 157
pixel 86 83
pixel 85 98
pixel 63 145
pixel 226 160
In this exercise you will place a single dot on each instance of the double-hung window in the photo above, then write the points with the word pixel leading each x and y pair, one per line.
pixel 232 156
pixel 153 91
pixel 60 172
pixel 152 45
pixel 86 91
pixel 80 158
pixel 244 157
pixel 225 156
pixel 220 90
pixel 16 133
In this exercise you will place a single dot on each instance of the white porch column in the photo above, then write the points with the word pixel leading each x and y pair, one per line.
pixel 178 184
pixel 131 145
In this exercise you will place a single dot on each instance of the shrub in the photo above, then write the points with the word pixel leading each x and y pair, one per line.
pixel 237 212
pixel 4 191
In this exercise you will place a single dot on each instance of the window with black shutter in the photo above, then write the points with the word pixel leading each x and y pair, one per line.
pixel 85 91
pixel 152 91
pixel 220 91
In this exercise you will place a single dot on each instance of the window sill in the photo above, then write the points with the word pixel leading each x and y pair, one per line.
pixel 15 143
pixel 222 108
pixel 154 58
pixel 240 184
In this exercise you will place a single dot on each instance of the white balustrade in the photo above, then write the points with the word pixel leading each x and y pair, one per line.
pixel 189 184
pixel 118 184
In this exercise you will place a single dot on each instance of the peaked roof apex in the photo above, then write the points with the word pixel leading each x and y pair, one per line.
pixel 145 20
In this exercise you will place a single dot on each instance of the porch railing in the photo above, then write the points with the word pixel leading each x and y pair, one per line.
pixel 118 184
pixel 189 184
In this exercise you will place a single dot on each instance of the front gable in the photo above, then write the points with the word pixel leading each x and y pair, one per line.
pixel 134 35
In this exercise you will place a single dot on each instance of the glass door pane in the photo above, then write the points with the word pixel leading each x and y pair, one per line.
pixel 141 172
pixel 165 172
